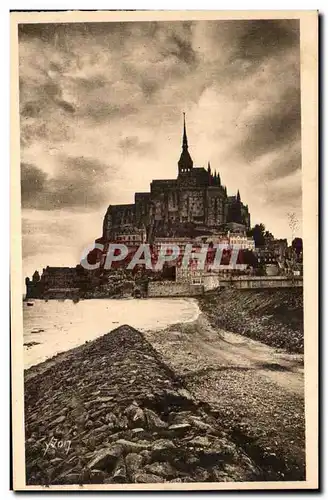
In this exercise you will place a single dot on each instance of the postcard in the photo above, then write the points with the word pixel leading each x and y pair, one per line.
pixel 164 241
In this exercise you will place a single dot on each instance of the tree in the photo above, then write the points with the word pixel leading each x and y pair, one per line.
pixel 248 257
pixel 260 235
pixel 268 236
pixel 292 222
pixel 257 232
pixel 297 245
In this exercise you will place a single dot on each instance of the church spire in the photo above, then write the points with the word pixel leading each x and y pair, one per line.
pixel 185 162
pixel 209 173
pixel 184 140
pixel 238 195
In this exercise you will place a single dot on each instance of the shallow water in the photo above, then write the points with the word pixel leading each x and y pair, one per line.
pixel 58 326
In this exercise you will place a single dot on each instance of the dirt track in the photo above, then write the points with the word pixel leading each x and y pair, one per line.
pixel 256 390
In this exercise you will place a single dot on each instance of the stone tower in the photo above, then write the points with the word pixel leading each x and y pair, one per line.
pixel 185 162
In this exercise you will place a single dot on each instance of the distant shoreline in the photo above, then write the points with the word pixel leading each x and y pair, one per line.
pixel 189 309
pixel 234 312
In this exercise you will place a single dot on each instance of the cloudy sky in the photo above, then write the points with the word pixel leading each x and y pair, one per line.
pixel 101 116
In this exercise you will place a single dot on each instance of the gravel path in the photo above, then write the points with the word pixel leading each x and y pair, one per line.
pixel 256 391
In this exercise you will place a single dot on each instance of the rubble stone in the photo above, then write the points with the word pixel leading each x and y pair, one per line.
pixel 118 432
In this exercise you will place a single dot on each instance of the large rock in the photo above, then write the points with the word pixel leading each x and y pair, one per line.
pixel 201 425
pixel 199 442
pixel 132 447
pixel 154 422
pixel 106 457
pixel 133 463
pixel 57 421
pixel 143 477
pixel 111 420
pixel 120 474
pixel 135 415
pixel 97 476
pixel 179 429
pixel 162 469
pixel 162 449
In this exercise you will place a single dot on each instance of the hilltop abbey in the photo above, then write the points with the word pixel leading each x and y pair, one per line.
pixel 196 199
pixel 193 208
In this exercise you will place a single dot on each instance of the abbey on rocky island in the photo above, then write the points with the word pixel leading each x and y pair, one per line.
pixel 195 199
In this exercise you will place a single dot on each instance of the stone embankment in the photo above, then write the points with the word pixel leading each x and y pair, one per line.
pixel 272 316
pixel 111 411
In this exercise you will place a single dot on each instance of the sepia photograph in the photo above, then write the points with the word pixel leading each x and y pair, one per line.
pixel 164 237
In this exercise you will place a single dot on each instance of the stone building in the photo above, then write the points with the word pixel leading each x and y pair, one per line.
pixel 60 282
pixel 130 235
pixel 59 277
pixel 278 247
pixel 242 240
pixel 175 207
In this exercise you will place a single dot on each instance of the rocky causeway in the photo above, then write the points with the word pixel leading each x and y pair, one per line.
pixel 127 418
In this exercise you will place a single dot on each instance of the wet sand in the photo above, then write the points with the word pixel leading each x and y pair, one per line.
pixel 56 326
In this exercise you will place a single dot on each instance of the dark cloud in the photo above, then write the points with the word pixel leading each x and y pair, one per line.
pixel 284 196
pixel 54 235
pixel 78 182
pixel 33 181
pixel 30 109
pixel 66 106
pixel 99 111
pixel 113 94
pixel 166 58
pixel 248 44
pixel 182 50
pixel 93 82
pixel 56 32
pixel 272 130
pixel 260 39
pixel 132 144
pixel 149 86
pixel 284 165
pixel 48 95
pixel 171 61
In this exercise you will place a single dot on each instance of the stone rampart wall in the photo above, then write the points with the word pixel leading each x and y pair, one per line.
pixel 173 289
